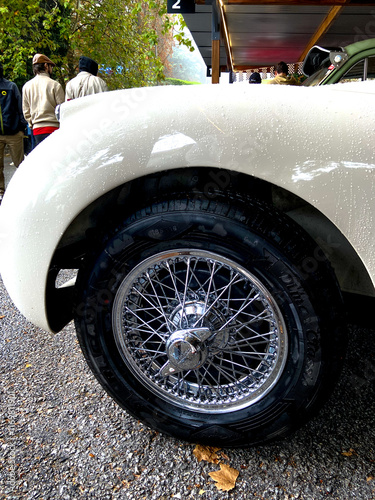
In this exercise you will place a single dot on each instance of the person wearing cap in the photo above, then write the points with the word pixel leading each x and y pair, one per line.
pixel 255 78
pixel 282 77
pixel 12 125
pixel 40 96
pixel 86 82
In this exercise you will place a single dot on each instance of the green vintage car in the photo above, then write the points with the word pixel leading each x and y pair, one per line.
pixel 353 63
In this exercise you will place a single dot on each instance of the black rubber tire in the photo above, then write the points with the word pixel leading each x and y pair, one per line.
pixel 281 256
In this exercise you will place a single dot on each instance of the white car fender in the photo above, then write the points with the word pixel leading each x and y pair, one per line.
pixel 315 142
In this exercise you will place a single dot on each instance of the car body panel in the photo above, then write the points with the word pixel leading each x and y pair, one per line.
pixel 317 143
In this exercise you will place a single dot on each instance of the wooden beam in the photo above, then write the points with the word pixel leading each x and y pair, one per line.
pixel 215 60
pixel 323 28
pixel 287 2
pixel 253 67
pixel 224 34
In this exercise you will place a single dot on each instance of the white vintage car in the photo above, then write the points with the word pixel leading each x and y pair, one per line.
pixel 213 229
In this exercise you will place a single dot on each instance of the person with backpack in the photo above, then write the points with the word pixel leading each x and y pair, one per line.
pixel 12 125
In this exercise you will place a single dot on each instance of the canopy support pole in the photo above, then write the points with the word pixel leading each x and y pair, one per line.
pixel 215 56
pixel 215 61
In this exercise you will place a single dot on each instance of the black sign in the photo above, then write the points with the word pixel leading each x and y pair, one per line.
pixel 180 6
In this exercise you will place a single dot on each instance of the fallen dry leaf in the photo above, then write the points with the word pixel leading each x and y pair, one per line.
pixel 207 453
pixel 348 453
pixel 225 477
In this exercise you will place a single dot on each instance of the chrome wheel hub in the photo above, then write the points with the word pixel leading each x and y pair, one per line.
pixel 199 330
pixel 186 350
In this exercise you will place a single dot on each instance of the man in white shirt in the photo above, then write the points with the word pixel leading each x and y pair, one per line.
pixel 40 96
pixel 86 82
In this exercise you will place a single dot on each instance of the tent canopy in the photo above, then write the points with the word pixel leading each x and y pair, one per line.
pixel 255 34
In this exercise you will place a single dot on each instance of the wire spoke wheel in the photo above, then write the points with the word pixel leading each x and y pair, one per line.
pixel 201 321
pixel 199 330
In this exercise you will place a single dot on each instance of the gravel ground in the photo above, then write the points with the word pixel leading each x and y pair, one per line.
pixel 62 437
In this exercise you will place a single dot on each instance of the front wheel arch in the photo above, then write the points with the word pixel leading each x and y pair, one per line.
pixel 92 224
pixel 261 240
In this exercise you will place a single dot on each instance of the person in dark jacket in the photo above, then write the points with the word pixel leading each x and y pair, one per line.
pixel 12 125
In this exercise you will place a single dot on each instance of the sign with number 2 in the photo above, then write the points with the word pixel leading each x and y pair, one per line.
pixel 180 6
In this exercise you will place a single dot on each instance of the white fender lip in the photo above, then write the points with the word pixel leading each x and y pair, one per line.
pixel 306 140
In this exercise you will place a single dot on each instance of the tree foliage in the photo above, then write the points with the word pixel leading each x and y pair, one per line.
pixel 130 39
pixel 28 27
